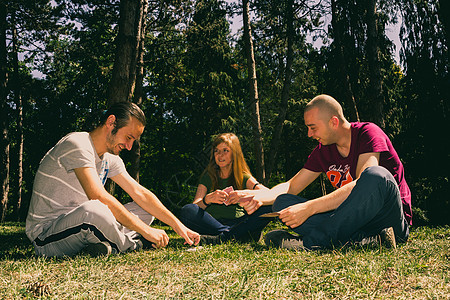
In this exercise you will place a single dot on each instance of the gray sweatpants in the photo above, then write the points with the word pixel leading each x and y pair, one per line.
pixel 90 223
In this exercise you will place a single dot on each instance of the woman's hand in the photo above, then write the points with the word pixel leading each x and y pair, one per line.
pixel 218 197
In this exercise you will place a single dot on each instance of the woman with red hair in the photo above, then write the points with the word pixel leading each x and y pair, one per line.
pixel 220 212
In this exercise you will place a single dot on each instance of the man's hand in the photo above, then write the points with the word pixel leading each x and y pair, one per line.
pixel 295 215
pixel 190 237
pixel 251 205
pixel 158 237
pixel 244 200
pixel 234 197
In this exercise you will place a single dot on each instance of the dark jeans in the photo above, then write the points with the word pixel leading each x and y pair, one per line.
pixel 373 204
pixel 245 228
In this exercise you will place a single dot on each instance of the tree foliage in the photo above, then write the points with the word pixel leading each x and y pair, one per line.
pixel 195 83
pixel 425 54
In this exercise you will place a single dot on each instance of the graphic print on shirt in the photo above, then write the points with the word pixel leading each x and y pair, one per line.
pixel 339 175
pixel 104 170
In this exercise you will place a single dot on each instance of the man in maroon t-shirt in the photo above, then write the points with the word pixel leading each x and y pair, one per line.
pixel 372 201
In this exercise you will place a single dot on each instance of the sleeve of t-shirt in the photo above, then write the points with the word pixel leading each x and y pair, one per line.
pixel 206 181
pixel 116 165
pixel 313 163
pixel 244 181
pixel 76 152
pixel 372 139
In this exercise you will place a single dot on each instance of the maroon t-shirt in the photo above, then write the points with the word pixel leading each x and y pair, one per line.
pixel 366 137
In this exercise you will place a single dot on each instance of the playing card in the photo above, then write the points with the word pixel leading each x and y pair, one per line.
pixel 193 249
pixel 228 189
pixel 270 215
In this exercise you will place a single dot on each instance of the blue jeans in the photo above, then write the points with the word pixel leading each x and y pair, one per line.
pixel 373 204
pixel 244 229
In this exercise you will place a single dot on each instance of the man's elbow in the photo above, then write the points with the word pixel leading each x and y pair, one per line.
pixel 103 196
pixel 282 188
pixel 141 195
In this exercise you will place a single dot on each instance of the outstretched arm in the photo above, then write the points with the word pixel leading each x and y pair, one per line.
pixel 295 215
pixel 294 186
pixel 91 184
pixel 245 200
pixel 150 203
pixel 94 190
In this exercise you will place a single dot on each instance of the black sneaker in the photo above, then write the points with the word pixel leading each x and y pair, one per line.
pixel 144 244
pixel 256 236
pixel 283 239
pixel 250 237
pixel 98 249
pixel 387 238
pixel 210 239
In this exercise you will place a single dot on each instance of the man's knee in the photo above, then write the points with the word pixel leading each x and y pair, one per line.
pixel 377 172
pixel 286 200
pixel 95 211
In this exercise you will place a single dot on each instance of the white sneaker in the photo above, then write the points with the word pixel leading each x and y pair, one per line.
pixel 282 239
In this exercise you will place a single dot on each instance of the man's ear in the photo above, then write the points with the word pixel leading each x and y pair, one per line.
pixel 111 121
pixel 334 121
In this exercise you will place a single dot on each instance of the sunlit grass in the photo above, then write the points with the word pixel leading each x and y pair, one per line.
pixel 418 270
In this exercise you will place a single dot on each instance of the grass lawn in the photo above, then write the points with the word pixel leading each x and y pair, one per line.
pixel 419 269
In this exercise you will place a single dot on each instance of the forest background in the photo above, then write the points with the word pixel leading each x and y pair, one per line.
pixel 65 61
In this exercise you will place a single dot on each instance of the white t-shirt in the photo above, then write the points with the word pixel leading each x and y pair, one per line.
pixel 56 188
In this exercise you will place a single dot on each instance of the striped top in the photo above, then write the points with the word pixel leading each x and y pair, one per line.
pixel 56 189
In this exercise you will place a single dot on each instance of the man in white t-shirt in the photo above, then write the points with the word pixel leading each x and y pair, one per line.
pixel 70 210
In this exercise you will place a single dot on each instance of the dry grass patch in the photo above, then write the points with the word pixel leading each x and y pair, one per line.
pixel 417 270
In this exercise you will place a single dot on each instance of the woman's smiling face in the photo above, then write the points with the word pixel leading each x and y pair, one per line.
pixel 223 155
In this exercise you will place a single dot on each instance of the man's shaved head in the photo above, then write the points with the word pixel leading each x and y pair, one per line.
pixel 327 106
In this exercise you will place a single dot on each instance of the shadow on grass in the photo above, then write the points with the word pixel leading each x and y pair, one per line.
pixel 14 244
pixel 177 243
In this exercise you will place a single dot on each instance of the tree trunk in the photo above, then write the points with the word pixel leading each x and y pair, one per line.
pixel 19 121
pixel 253 91
pixel 124 74
pixel 376 97
pixel 342 64
pixel 285 92
pixel 4 171
pixel 4 143
pixel 444 17
pixel 135 155
pixel 139 91
pixel 122 85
